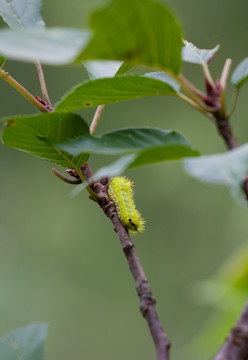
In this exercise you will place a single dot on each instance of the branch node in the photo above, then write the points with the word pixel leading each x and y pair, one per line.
pixel 127 248
pixel 48 106
pixel 91 197
pixel 73 173
pixel 65 178
pixel 104 180
pixel 146 300
pixel 104 202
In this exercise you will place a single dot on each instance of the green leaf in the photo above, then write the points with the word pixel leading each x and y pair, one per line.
pixel 34 134
pixel 56 46
pixel 2 60
pixel 140 146
pixel 166 78
pixel 240 74
pixel 135 31
pixel 128 140
pixel 102 69
pixel 138 31
pixel 26 343
pixel 229 169
pixel 124 68
pixel 194 55
pixel 19 14
pixel 151 146
pixel 116 168
pixel 111 90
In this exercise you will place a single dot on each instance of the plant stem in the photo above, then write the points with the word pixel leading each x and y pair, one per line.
pixel 207 74
pixel 65 178
pixel 236 344
pixel 90 188
pixel 225 130
pixel 9 79
pixel 223 81
pixel 43 83
pixel 96 119
pixel 225 73
pixel 234 101
pixel 147 301
pixel 195 94
pixel 186 84
pixel 194 105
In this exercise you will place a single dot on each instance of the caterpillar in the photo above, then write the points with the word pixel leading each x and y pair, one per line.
pixel 120 191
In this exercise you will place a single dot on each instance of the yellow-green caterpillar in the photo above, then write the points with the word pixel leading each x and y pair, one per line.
pixel 120 191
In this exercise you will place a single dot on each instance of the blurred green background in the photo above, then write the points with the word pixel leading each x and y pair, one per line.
pixel 60 260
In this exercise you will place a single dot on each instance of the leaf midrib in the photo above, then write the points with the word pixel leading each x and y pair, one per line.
pixel 12 10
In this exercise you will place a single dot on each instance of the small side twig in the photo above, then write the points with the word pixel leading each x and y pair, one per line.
pixel 9 79
pixel 225 73
pixel 223 83
pixel 235 346
pixel 207 74
pixel 233 102
pixel 189 87
pixel 43 83
pixel 195 105
pixel 68 180
pixel 216 96
pixel 147 301
pixel 96 119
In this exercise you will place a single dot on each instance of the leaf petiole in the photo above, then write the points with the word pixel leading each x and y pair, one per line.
pixel 43 83
pixel 10 80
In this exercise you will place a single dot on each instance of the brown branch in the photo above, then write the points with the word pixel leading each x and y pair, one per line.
pixel 147 301
pixel 235 346
pixel 225 130
pixel 215 97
